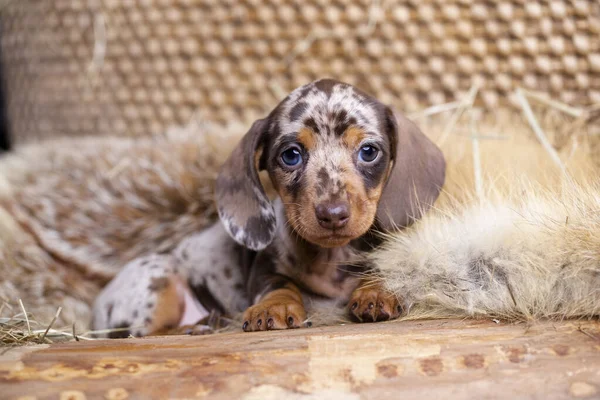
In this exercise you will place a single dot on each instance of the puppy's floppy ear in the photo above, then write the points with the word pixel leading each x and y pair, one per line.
pixel 417 175
pixel 244 208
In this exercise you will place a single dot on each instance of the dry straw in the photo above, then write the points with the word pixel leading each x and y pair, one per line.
pixel 23 328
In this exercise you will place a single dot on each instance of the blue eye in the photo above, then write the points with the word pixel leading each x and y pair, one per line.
pixel 291 157
pixel 368 153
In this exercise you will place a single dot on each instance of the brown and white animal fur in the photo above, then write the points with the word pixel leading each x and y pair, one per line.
pixel 277 250
pixel 76 208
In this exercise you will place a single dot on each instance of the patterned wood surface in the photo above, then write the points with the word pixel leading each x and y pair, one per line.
pixel 410 360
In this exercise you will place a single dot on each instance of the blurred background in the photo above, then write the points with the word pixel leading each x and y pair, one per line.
pixel 137 67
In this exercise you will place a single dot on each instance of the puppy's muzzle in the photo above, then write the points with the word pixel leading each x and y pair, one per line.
pixel 333 215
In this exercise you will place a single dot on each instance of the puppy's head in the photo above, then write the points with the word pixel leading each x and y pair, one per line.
pixel 340 161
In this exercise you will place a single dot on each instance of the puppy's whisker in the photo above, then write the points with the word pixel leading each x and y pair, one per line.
pixel 369 199
pixel 294 224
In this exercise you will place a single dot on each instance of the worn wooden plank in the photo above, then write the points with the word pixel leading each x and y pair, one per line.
pixel 428 359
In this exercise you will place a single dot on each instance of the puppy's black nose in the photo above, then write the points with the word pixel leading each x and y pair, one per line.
pixel 332 215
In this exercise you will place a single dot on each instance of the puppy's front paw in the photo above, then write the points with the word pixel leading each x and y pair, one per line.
pixel 371 303
pixel 277 311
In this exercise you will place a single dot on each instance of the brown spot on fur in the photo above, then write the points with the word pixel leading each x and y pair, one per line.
pixel 227 272
pixel 432 366
pixel 168 309
pixel 326 85
pixel 306 137
pixel 387 370
pixel 353 136
pixel 341 123
pixel 324 181
pixel 312 124
pixel 298 111
pixel 158 284
pixel 474 361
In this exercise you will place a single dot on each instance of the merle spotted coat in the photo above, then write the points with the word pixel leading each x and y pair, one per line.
pixel 343 166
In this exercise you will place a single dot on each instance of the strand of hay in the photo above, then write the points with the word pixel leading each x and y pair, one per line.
pixel 23 329
pixel 466 103
pixel 538 130
pixel 476 157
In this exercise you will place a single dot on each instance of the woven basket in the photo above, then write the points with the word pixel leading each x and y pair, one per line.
pixel 135 67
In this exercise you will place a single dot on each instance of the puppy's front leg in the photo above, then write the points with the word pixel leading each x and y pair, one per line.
pixel 371 302
pixel 278 304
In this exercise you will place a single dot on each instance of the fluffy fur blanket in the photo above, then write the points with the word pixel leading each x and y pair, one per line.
pixel 513 235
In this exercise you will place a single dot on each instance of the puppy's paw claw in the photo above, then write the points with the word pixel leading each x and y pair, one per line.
pixel 371 303
pixel 271 315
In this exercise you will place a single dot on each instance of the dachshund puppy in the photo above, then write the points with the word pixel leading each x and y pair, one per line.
pixel 343 166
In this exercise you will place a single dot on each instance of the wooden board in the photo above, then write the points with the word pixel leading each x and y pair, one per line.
pixel 399 360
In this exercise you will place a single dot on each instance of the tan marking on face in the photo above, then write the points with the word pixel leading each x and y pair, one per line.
pixel 306 137
pixel 363 203
pixel 353 136
pixel 300 212
pixel 300 207
pixel 375 193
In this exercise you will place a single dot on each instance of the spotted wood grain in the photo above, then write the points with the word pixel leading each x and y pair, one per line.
pixel 431 359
